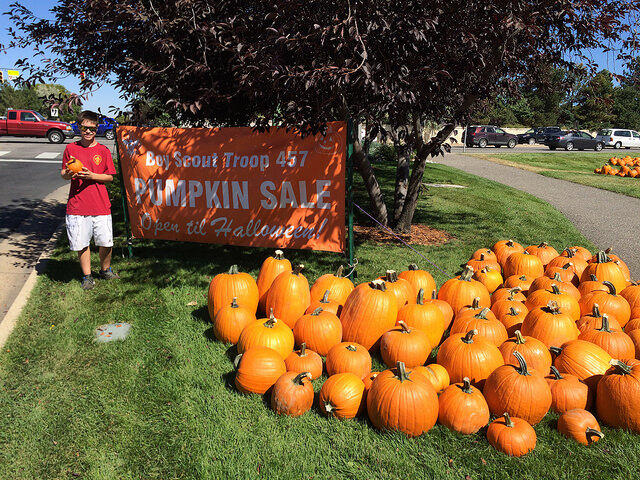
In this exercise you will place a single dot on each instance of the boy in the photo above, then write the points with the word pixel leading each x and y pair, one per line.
pixel 88 207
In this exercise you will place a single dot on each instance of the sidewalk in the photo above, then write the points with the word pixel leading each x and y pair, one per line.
pixel 20 251
pixel 607 219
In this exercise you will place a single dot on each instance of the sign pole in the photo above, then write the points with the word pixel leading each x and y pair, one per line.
pixel 123 195
pixel 350 141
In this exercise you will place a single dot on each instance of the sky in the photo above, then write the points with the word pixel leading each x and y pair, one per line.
pixel 106 95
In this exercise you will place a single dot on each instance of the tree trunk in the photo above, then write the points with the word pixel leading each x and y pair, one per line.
pixel 402 182
pixel 376 203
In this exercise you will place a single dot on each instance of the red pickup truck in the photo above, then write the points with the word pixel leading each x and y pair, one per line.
pixel 28 123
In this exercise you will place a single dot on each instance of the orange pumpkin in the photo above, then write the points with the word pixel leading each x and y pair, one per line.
pixel 591 285
pixel 605 269
pixel 436 374
pixel 543 251
pixel 485 322
pixel 339 287
pixel 270 269
pixel 341 396
pixel 568 392
pixel 483 262
pixel 566 303
pixel 258 369
pixel 490 277
pixel 426 317
pixel 585 360
pixel 614 341
pixel 593 321
pixel 504 248
pixel 444 307
pixel 462 408
pixel 462 290
pixel 580 425
pixel 402 289
pixel 419 279
pixel 230 321
pixel 508 293
pixel 348 357
pixel 524 263
pixel 618 395
pixel 533 350
pixel 289 296
pixel 74 165
pixel 304 360
pixel 511 435
pixel 403 344
pixel 565 274
pixel 320 330
pixel 633 324
pixel 292 394
pixel 546 283
pixel 609 303
pixel 267 332
pixel 634 335
pixel 549 325
pixel 225 286
pixel 523 282
pixel 512 320
pixel 484 254
pixel 325 304
pixel 632 295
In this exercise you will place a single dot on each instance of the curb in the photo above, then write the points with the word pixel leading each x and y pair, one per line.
pixel 10 319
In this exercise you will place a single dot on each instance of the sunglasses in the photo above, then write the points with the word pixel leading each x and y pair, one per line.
pixel 84 128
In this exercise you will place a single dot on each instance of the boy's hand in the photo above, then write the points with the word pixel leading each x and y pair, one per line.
pixel 85 174
pixel 66 174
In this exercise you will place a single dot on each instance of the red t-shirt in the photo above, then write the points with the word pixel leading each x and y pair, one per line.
pixel 87 197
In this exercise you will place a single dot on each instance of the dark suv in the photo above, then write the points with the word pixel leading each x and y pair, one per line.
pixel 483 135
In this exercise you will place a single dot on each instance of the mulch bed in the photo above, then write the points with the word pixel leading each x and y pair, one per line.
pixel 420 235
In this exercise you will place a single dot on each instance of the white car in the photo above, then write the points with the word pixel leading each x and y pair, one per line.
pixel 619 138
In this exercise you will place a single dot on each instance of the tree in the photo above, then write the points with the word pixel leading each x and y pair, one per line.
pixel 40 97
pixel 595 102
pixel 299 64
pixel 626 98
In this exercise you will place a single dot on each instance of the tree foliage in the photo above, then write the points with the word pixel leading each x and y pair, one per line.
pixel 38 97
pixel 391 65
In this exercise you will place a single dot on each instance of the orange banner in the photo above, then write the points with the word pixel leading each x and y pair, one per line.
pixel 235 186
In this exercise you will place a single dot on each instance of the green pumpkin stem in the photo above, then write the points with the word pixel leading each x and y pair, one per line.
pixel 434 295
pixel 556 372
pixel 298 379
pixel 553 307
pixel 468 338
pixel 513 291
pixel 593 277
pixel 325 297
pixel 595 311
pixel 466 385
pixel 592 431
pixel 483 313
pixel 467 273
pixel 523 370
pixel 476 303
pixel 413 267
pixel 405 328
pixel 605 324
pixel 351 348
pixel 519 338
pixel 236 361
pixel 571 252
pixel 543 245
pixel 555 289
pixel 602 257
pixel 507 420
pixel 378 285
pixel 567 266
pixel 420 299
pixel 402 372
pixel 611 287
pixel 513 312
pixel 279 255
pixel 339 271
pixel 391 276
pixel 234 303
pixel 303 350
pixel 555 350
pixel 298 269
pixel 623 368
pixel 317 311
pixel 233 270
pixel 271 321
pixel 556 277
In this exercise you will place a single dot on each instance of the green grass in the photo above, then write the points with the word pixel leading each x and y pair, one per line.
pixel 161 405
pixel 573 167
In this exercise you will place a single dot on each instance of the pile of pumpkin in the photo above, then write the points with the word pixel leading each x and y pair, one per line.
pixel 519 332
pixel 630 167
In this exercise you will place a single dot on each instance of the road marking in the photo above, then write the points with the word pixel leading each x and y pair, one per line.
pixel 48 155
pixel 4 152
pixel 27 160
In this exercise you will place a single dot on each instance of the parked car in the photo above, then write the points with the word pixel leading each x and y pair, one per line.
pixel 106 128
pixel 573 140
pixel 530 136
pixel 619 138
pixel 483 135
pixel 29 123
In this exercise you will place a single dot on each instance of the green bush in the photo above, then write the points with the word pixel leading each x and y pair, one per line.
pixel 383 153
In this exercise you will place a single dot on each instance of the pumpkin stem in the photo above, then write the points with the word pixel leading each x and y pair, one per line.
pixel 610 286
pixel 279 255
pixel 595 312
pixel 553 307
pixel 556 372
pixel 402 372
pixel 507 420
pixel 236 361
pixel 468 338
pixel 605 324
pixel 467 273
pixel 234 302
pixel 325 297
pixel 555 350
pixel 593 278
pixel 404 326
pixel 567 266
pixel 592 431
pixel 513 291
pixel 271 321
pixel 556 277
pixel 513 312
pixel 519 338
pixel 413 267
pixel 378 285
pixel 317 311
pixel 328 407
pixel 298 379
pixel 476 303
pixel 523 277
pixel 555 289
pixel 339 271
pixel 483 313
pixel 523 370
pixel 420 299
pixel 571 252
pixel 602 257
pixel 233 270
pixel 298 269
pixel 303 350
pixel 434 295
pixel 466 387
pixel 543 245
pixel 509 243
pixel 623 368
pixel 351 348
pixel 391 276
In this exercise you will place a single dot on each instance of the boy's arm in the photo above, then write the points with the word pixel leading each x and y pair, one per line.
pixel 87 174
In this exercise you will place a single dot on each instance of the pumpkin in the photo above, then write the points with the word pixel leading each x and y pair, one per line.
pixel 258 369
pixel 503 307
pixel 591 285
pixel 618 261
pixel 483 262
pixel 522 281
pixel 304 360
pixel 348 357
pixel 609 303
pixel 490 277
pixel 339 287
pixel 484 254
pixel 462 408
pixel 225 286
pixel 580 425
pixel 325 304
pixel 292 394
pixel 423 316
pixel 545 283
pixel 512 320
pixel 267 332
pixel 436 374
pixel 605 269
pixel 633 324
pixel 519 391
pixel 511 435
pixel 402 289
pixel 401 400
pixel 74 165
pixel 549 325
pixel 618 395
pixel 568 392
pixel 533 350
pixel 230 321
pixel 270 269
pixel 578 261
pixel 485 322
pixel 632 295
pixel 593 321
pixel 461 291
pixel 504 248
pixel 466 356
pixel 566 303
pixel 579 252
pixel 565 274
pixel 508 293
pixel 369 311
pixel 634 335
pixel 403 344
pixel 320 330
pixel 524 263
pixel 289 296
pixel 585 360
pixel 543 251
pixel 614 341
pixel 341 396
pixel 419 279
pixel 444 307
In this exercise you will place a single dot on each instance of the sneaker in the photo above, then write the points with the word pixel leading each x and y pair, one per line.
pixel 108 274
pixel 88 282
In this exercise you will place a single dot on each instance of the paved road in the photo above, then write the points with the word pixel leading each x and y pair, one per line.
pixel 607 219
pixel 542 149
pixel 32 205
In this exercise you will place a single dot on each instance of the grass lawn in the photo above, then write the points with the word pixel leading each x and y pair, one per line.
pixel 574 167
pixel 161 405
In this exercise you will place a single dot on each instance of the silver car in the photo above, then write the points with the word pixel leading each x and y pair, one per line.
pixel 619 138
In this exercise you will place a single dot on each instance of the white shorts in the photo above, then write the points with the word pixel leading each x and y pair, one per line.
pixel 81 228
